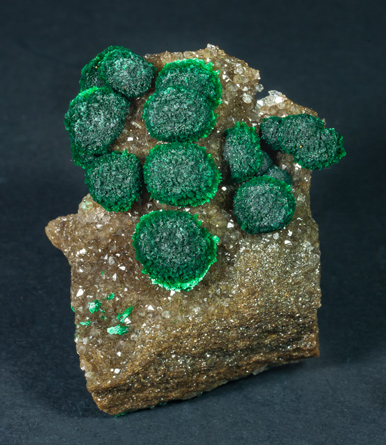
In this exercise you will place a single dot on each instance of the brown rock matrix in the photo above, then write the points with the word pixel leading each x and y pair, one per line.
pixel 256 307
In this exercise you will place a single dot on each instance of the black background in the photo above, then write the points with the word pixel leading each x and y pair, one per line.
pixel 326 55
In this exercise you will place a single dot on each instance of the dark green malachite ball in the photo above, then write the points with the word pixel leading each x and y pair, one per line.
pixel 305 137
pixel 176 114
pixel 181 174
pixel 126 72
pixel 115 181
pixel 94 119
pixel 193 74
pixel 174 249
pixel 242 152
pixel 263 204
pixel 281 175
pixel 89 75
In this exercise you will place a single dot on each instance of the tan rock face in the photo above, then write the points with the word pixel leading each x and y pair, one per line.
pixel 256 307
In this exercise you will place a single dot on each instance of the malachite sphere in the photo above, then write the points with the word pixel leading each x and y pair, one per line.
pixel 115 181
pixel 89 75
pixel 193 74
pixel 181 174
pixel 177 114
pixel 94 119
pixel 242 152
pixel 126 72
pixel 305 137
pixel 174 249
pixel 263 204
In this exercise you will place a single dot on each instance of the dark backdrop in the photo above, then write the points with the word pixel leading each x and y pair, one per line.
pixel 329 55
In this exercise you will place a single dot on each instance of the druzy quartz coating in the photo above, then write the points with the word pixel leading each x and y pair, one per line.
pixel 305 137
pixel 181 174
pixel 174 249
pixel 178 114
pixel 193 74
pixel 115 180
pixel 264 204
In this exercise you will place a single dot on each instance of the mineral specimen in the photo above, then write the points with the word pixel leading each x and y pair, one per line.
pixel 141 344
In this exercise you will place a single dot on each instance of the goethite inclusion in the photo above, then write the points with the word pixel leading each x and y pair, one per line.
pixel 172 301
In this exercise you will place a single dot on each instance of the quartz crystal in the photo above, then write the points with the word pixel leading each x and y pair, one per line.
pixel 141 345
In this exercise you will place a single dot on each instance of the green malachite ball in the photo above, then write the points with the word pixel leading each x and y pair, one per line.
pixel 174 249
pixel 263 204
pixel 89 76
pixel 181 174
pixel 242 152
pixel 176 114
pixel 115 181
pixel 304 136
pixel 193 74
pixel 94 119
pixel 265 164
pixel 126 72
pixel 281 175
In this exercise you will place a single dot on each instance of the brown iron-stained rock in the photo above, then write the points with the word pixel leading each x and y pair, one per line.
pixel 256 307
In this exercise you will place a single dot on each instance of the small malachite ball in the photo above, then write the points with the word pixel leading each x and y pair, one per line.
pixel 304 136
pixel 263 204
pixel 242 152
pixel 174 249
pixel 126 72
pixel 115 181
pixel 178 114
pixel 278 173
pixel 181 174
pixel 94 119
pixel 193 74
pixel 89 76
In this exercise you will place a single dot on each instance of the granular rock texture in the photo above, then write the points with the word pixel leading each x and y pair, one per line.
pixel 255 308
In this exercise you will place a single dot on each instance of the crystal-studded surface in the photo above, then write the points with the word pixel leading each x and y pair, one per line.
pixel 256 307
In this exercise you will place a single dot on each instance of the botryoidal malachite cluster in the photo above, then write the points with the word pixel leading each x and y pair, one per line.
pixel 305 137
pixel 174 249
pixel 264 202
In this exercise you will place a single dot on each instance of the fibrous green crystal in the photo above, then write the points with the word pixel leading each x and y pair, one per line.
pixel 115 180
pixel 242 152
pixel 122 317
pixel 126 72
pixel 174 249
pixel 178 114
pixel 94 119
pixel 118 330
pixel 264 204
pixel 85 323
pixel 111 296
pixel 193 74
pixel 281 175
pixel 94 306
pixel 305 137
pixel 181 174
pixel 89 76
